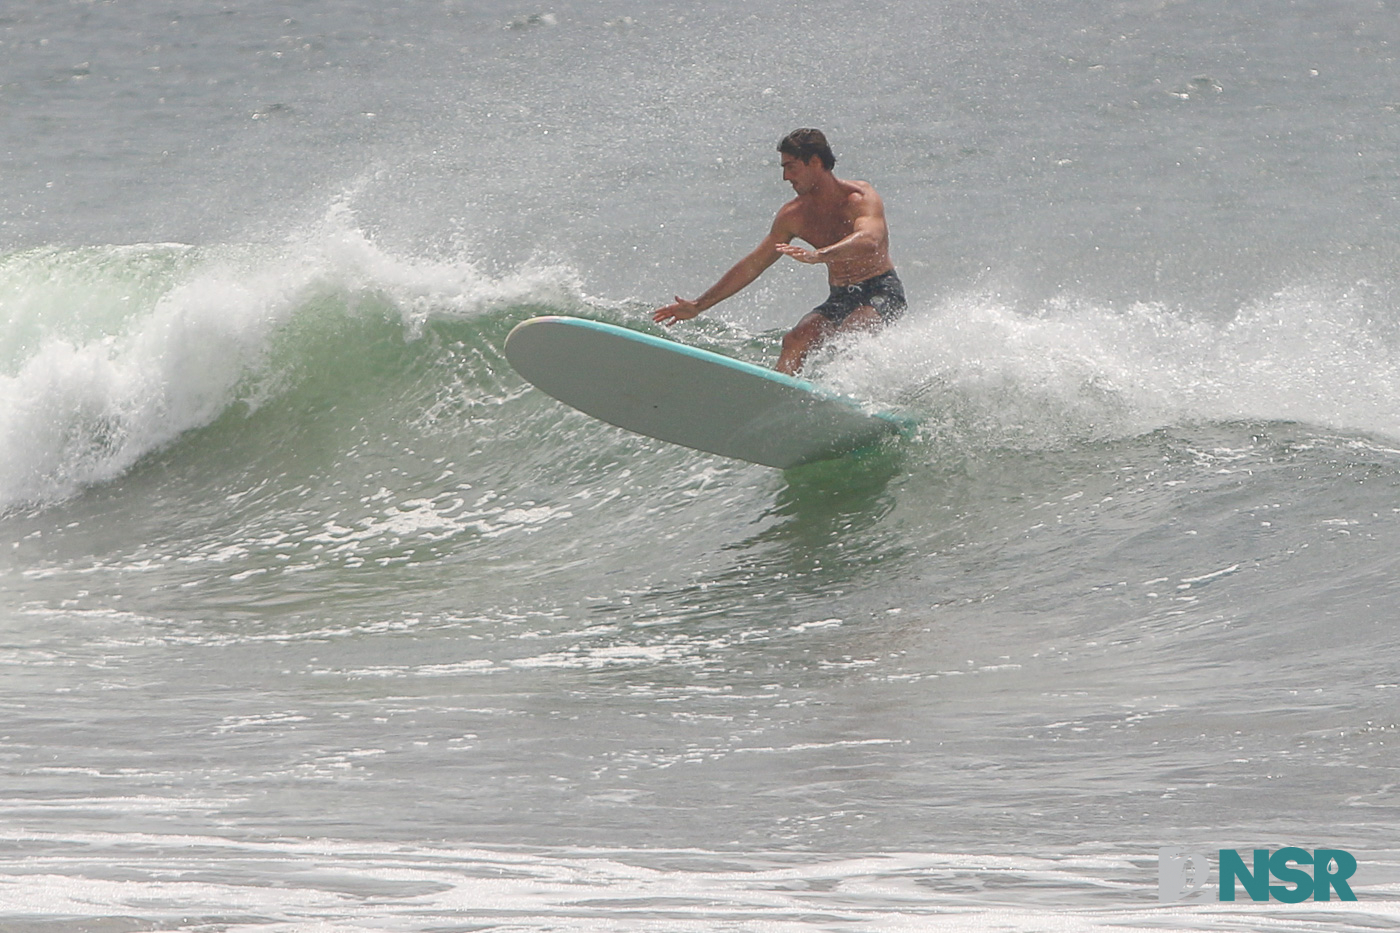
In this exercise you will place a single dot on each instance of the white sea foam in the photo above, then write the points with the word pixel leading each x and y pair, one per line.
pixel 186 882
pixel 995 373
pixel 155 341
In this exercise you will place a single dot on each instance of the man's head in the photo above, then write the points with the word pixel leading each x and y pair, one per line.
pixel 806 144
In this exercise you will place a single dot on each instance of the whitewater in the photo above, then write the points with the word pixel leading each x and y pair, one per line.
pixel 316 616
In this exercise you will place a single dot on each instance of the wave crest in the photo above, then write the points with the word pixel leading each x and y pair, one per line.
pixel 110 353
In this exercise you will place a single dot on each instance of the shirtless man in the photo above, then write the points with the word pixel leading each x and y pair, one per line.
pixel 845 221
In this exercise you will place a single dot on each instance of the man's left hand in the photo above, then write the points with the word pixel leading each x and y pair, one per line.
pixel 801 255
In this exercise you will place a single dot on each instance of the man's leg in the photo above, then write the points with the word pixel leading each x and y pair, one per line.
pixel 809 334
pixel 813 330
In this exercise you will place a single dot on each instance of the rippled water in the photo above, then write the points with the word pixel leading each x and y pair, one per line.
pixel 317 617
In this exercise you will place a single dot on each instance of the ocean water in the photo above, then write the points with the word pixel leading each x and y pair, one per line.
pixel 316 617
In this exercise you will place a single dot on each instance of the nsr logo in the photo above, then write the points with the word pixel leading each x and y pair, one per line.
pixel 1181 873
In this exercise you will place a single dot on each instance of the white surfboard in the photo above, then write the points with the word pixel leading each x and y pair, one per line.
pixel 688 396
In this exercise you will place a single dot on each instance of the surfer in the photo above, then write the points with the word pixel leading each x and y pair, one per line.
pixel 845 222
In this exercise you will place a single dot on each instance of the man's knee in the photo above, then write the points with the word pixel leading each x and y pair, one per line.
pixel 811 329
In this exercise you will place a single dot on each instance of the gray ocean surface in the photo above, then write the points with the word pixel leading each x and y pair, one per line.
pixel 314 616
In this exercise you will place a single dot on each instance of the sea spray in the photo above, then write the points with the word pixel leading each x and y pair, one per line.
pixel 983 372
pixel 113 353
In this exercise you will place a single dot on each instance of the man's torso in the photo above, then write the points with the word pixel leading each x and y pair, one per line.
pixel 822 224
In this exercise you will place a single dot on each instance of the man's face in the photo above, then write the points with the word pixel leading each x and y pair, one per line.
pixel 801 175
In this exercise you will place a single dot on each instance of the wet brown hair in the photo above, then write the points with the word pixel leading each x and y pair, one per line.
pixel 805 143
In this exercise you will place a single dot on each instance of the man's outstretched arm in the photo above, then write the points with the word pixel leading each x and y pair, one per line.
pixel 739 276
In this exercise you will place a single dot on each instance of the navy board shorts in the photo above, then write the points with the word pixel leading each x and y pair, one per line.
pixel 883 292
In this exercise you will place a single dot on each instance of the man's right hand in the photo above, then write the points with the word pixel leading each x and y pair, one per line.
pixel 681 310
